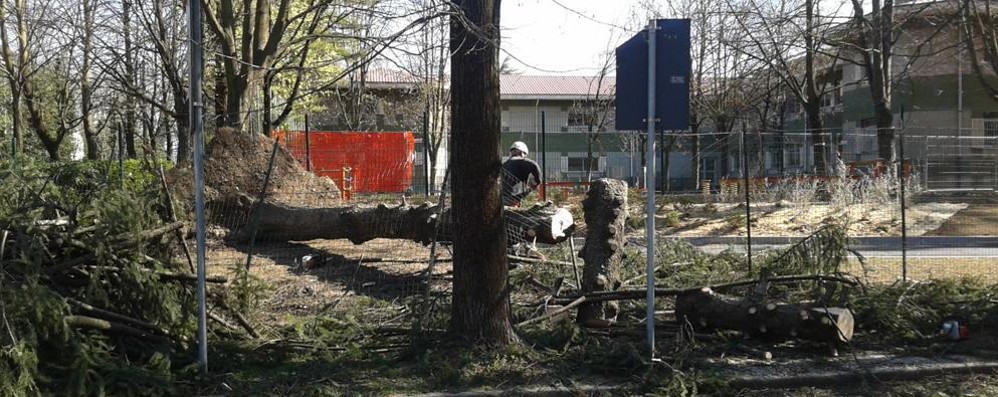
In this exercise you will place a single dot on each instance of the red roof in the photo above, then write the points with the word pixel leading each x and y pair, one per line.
pixel 555 87
pixel 391 76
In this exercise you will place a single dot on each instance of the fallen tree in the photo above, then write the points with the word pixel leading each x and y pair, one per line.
pixel 705 309
pixel 543 223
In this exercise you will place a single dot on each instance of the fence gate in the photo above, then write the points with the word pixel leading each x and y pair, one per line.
pixel 961 163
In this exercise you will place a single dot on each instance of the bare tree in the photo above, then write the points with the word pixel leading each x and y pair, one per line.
pixel 15 60
pixel 255 36
pixel 596 111
pixel 981 38
pixel 86 35
pixel 875 42
pixel 788 38
pixel 161 63
pixel 480 310
pixel 37 65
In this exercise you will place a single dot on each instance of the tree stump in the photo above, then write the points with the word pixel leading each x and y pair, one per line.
pixel 605 209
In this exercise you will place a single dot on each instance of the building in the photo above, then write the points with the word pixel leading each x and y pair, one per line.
pixel 568 122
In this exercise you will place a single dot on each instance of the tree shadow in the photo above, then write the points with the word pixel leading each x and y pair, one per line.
pixel 357 273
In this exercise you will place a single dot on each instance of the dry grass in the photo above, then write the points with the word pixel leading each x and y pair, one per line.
pixel 888 270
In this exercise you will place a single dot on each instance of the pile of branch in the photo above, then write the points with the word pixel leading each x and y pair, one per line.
pixel 78 263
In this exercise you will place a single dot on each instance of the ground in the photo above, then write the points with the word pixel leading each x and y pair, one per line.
pixel 374 283
pixel 337 317
pixel 974 220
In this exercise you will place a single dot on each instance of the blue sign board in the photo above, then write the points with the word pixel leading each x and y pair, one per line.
pixel 672 79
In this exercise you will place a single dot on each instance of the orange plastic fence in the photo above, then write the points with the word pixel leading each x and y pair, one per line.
pixel 359 162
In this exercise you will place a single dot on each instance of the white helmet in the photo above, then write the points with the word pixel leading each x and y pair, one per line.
pixel 519 145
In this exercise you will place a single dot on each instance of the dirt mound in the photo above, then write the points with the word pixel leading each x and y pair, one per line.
pixel 236 162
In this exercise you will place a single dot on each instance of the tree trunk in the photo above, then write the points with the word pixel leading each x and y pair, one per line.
pixel 129 116
pixel 812 102
pixel 17 119
pixel 277 222
pixel 816 125
pixel 86 91
pixel 706 310
pixel 605 207
pixel 221 90
pixel 480 310
pixel 184 137
pixel 885 132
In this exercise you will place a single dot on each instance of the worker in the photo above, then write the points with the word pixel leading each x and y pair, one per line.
pixel 517 171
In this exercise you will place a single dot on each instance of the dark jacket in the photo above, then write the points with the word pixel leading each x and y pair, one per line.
pixel 516 173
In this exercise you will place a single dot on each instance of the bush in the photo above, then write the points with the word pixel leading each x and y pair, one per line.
pixel 92 174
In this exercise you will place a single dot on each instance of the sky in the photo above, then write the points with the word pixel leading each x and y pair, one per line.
pixel 545 38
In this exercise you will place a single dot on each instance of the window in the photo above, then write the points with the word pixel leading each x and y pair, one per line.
pixel 576 118
pixel 991 124
pixel 793 156
pixel 831 98
pixel 583 164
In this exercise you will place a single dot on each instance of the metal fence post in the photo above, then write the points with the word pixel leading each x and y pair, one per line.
pixel 196 107
pixel 904 223
pixel 748 205
pixel 650 187
pixel 308 145
pixel 544 158
pixel 426 153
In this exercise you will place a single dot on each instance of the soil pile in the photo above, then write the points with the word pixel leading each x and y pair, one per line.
pixel 236 163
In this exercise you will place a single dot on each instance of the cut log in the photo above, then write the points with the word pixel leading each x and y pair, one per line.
pixel 605 207
pixel 706 310
pixel 277 222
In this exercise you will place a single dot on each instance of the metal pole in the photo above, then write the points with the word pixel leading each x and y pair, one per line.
pixel 748 205
pixel 904 220
pixel 661 156
pixel 650 187
pixel 308 145
pixel 197 72
pixel 544 158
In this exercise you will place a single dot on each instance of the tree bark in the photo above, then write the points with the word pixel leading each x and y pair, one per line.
pixel 86 90
pixel 276 222
pixel 705 310
pixel 606 212
pixel 480 310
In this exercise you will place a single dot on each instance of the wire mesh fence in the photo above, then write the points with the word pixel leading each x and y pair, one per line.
pixel 712 213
